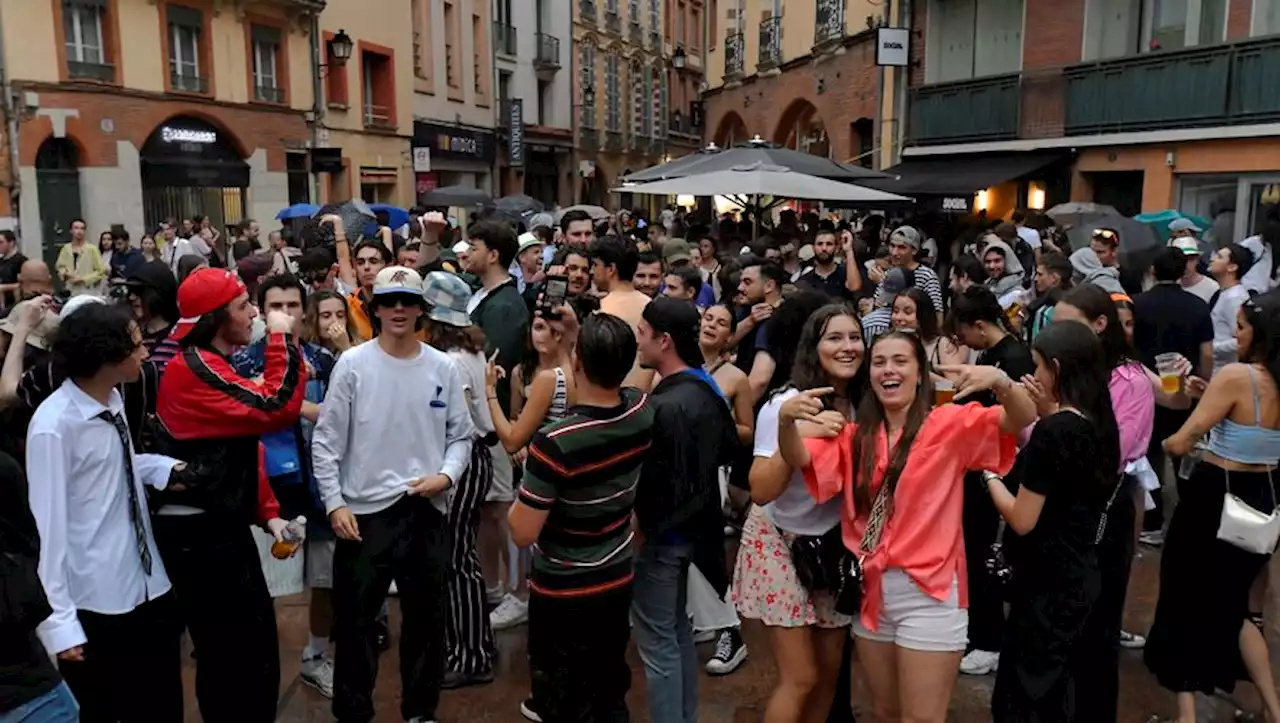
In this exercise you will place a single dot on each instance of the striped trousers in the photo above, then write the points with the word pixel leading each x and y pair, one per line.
pixel 468 640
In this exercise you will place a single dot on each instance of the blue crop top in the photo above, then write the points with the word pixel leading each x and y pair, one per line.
pixel 1246 443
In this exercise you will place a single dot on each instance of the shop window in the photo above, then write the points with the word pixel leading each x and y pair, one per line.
pixel 186 27
pixel 378 89
pixel 85 31
pixel 266 47
pixel 335 79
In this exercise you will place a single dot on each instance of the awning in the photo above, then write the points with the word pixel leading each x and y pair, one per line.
pixel 960 175
pixel 378 176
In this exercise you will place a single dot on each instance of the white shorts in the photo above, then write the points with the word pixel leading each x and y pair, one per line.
pixel 910 618
pixel 503 488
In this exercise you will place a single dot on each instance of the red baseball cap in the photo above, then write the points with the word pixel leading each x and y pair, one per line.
pixel 204 292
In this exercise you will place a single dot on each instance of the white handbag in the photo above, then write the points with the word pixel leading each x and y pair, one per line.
pixel 1247 528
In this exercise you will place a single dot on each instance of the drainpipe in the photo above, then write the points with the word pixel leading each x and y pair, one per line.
pixel 11 123
pixel 317 91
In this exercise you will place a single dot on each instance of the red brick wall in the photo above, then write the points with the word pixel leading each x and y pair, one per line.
pixel 919 26
pixel 850 88
pixel 1053 33
pixel 1239 17
pixel 135 115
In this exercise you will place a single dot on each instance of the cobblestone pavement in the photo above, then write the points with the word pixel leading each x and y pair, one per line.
pixel 737 698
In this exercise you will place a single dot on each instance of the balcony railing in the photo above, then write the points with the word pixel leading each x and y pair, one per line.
pixel 504 38
pixel 377 116
pixel 268 94
pixel 91 71
pixel 1216 86
pixel 589 139
pixel 734 60
pixel 587 10
pixel 635 34
pixel 770 44
pixel 548 56
pixel 828 29
pixel 188 83
pixel 612 21
pixel 613 140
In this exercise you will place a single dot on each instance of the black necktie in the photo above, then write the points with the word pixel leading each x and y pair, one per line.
pixel 135 507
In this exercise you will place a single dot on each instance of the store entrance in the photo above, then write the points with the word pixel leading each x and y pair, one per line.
pixel 191 167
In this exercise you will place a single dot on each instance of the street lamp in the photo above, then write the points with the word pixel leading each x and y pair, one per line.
pixel 678 58
pixel 589 95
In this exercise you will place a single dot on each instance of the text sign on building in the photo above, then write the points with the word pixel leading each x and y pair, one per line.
pixel 955 204
pixel 422 160
pixel 892 47
pixel 515 142
pixel 170 134
pixel 453 143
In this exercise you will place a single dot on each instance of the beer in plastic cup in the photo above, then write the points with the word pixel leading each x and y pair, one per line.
pixel 944 392
pixel 1167 368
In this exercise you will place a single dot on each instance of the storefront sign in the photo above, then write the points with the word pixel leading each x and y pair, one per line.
pixel 891 47
pixel 170 134
pixel 422 160
pixel 955 204
pixel 515 139
pixel 453 143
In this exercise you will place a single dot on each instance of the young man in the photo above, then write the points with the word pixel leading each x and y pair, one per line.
pixel 288 463
pixel 879 319
pixel 683 283
pixel 394 437
pixel 1192 281
pixel 370 257
pixel 613 267
pixel 676 255
pixel 80 263
pixel 409 255
pixel 826 275
pixel 11 261
pixel 904 243
pixel 648 276
pixel 125 259
pixel 575 502
pixel 578 229
pixel 213 417
pixel 760 284
pixel 677 503
pixel 114 625
pixel 1228 266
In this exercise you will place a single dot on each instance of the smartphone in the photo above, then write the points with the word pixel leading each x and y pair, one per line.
pixel 553 296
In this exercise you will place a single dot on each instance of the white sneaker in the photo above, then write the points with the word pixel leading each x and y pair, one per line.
pixel 980 662
pixel 1132 641
pixel 318 673
pixel 512 611
pixel 1154 538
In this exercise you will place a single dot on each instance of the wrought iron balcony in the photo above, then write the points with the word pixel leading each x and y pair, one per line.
pixel 587 10
pixel 268 94
pixel 548 55
pixel 828 29
pixel 734 56
pixel 770 44
pixel 91 71
pixel 188 83
pixel 1220 85
pixel 589 139
pixel 377 116
pixel 504 38
pixel 612 21
pixel 613 140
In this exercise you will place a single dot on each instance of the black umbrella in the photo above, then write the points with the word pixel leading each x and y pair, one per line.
pixel 754 152
pixel 355 214
pixel 519 205
pixel 455 196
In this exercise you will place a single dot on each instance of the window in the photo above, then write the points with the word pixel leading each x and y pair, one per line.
pixel 185 28
pixel 82 25
pixel 658 100
pixel 1266 17
pixel 419 45
pixel 613 98
pixel 695 29
pixel 451 42
pixel 633 11
pixel 268 85
pixel 655 16
pixel 635 74
pixel 679 38
pixel 973 39
pixel 587 79
pixel 377 83
pixel 646 120
pixel 478 55
pixel 664 100
pixel 299 179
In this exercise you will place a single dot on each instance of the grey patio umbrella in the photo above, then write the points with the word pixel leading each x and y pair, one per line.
pixel 1077 214
pixel 457 195
pixel 761 179
pixel 1139 245
pixel 755 151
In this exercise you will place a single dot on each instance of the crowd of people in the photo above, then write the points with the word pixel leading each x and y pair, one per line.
pixel 939 449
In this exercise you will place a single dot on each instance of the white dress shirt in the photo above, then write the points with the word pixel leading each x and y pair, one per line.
pixel 89 556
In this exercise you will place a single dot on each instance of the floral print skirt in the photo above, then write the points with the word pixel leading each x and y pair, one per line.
pixel 765 586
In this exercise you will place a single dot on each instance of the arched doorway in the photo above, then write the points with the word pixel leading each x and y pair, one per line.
pixel 58 191
pixel 801 129
pixel 731 131
pixel 192 167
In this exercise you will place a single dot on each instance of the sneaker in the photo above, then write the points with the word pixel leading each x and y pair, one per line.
pixel 318 673
pixel 703 636
pixel 1154 538
pixel 454 679
pixel 730 653
pixel 1133 641
pixel 393 591
pixel 980 662
pixel 512 612
pixel 529 710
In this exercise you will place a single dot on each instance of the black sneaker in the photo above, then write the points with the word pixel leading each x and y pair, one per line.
pixel 454 679
pixel 730 653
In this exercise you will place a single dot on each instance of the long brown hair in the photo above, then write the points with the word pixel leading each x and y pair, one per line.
pixel 447 337
pixel 871 419
pixel 311 322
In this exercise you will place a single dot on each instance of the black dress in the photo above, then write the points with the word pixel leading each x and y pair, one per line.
pixel 1055 573
pixel 1194 644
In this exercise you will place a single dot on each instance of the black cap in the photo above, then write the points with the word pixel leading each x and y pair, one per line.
pixel 680 319
pixel 155 275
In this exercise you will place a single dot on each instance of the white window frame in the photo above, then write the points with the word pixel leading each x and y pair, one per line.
pixel 177 63
pixel 263 51
pixel 77 49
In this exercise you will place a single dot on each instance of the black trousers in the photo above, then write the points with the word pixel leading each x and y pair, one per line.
pixel 409 543
pixel 468 637
pixel 132 669
pixel 1096 659
pixel 223 600
pixel 986 605
pixel 577 656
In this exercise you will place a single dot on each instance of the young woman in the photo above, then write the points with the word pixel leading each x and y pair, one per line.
pixel 327 323
pixel 150 252
pixel 718 325
pixel 807 633
pixel 913 311
pixel 1059 511
pixel 106 247
pixel 1204 636
pixel 468 637
pixel 898 473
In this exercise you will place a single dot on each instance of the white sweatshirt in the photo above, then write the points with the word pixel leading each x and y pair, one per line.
pixel 387 422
